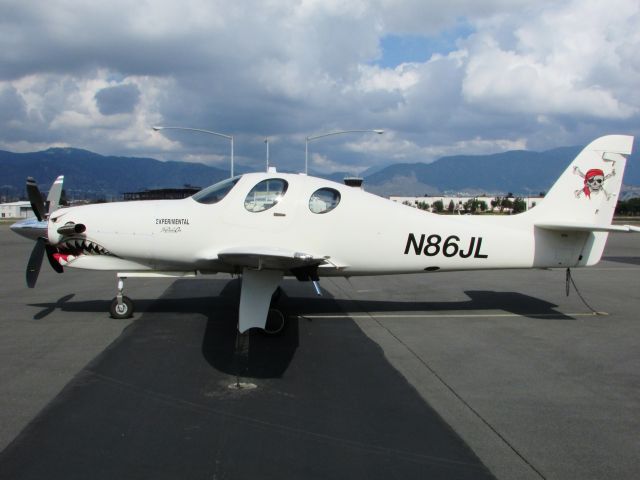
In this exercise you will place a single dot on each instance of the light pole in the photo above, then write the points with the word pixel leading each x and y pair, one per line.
pixel 315 137
pixel 230 137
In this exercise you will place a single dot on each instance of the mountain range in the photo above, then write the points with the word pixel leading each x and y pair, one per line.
pixel 90 175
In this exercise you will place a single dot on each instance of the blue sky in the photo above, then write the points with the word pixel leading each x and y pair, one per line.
pixel 397 49
pixel 439 77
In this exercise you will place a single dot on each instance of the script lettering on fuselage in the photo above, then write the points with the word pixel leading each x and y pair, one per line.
pixel 434 244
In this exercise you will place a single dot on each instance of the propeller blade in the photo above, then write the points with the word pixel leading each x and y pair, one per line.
pixel 35 262
pixel 35 197
pixel 53 199
pixel 52 261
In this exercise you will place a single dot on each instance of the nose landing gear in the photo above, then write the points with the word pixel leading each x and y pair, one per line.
pixel 121 306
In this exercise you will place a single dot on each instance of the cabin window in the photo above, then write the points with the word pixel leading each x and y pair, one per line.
pixel 265 194
pixel 216 192
pixel 324 200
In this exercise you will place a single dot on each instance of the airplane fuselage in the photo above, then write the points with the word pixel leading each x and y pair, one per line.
pixel 363 234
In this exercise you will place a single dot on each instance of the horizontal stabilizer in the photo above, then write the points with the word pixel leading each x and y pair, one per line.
pixel 586 227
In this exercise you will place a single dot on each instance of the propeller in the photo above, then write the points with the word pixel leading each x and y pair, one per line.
pixel 55 193
pixel 35 197
pixel 42 212
pixel 35 262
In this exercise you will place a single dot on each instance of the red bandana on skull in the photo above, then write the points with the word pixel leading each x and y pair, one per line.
pixel 594 172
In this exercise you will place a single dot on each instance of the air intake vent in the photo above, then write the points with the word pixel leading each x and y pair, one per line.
pixel 353 181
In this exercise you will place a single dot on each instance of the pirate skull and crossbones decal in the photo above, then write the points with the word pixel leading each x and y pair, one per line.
pixel 593 182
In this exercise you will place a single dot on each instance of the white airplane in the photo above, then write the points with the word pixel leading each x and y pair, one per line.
pixel 268 225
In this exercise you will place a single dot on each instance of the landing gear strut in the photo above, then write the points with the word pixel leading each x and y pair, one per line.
pixel 121 306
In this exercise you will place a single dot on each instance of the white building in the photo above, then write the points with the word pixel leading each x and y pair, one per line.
pixel 458 202
pixel 16 210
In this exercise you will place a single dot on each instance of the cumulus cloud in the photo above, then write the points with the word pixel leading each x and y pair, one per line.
pixel 118 99
pixel 524 73
pixel 566 62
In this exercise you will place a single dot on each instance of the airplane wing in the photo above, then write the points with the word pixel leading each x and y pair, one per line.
pixel 269 258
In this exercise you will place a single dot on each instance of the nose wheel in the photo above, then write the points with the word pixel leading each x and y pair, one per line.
pixel 121 306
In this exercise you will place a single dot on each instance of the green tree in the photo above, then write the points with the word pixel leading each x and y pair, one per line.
pixel 451 206
pixel 439 206
pixel 628 207
pixel 473 205
pixel 519 205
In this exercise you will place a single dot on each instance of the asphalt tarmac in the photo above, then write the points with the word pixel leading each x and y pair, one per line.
pixel 447 375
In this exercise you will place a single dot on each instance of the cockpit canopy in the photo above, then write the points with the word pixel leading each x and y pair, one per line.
pixel 267 193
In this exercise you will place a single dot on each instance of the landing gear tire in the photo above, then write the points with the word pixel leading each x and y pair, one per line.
pixel 275 322
pixel 121 310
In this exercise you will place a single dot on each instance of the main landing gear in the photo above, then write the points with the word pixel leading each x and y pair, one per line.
pixel 121 306
pixel 275 322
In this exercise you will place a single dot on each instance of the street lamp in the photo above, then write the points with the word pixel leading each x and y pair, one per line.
pixel 230 137
pixel 308 139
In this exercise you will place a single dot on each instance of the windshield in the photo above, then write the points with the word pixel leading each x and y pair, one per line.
pixel 216 192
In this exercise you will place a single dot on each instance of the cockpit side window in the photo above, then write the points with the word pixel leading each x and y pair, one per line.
pixel 265 194
pixel 324 200
pixel 216 192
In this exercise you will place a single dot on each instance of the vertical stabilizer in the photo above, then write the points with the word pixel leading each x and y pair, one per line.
pixel 583 200
pixel 589 188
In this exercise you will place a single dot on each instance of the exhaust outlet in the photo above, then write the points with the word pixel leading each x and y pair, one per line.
pixel 71 229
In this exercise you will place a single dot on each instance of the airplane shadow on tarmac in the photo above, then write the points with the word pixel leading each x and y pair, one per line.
pixel 258 355
pixel 225 295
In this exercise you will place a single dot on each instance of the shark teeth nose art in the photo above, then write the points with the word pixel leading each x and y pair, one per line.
pixel 82 246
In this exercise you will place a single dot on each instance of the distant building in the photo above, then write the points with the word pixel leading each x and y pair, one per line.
pixel 162 193
pixel 16 210
pixel 458 202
